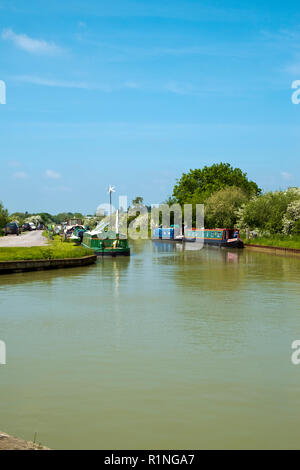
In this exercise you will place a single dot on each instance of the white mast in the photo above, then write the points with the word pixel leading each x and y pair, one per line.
pixel 111 189
pixel 117 221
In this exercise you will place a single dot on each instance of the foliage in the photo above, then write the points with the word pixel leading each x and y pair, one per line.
pixel 266 212
pixel 35 219
pixel 291 219
pixel 23 217
pixel 64 216
pixel 92 222
pixel 3 216
pixel 221 207
pixel 197 185
pixel 138 201
pixel 171 201
pixel 46 218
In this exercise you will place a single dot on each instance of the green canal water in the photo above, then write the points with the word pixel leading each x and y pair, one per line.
pixel 167 349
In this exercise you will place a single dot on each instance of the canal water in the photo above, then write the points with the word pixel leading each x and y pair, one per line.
pixel 170 348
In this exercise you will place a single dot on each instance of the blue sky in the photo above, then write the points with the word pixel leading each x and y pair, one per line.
pixel 133 93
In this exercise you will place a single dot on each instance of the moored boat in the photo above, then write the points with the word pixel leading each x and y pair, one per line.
pixel 222 237
pixel 77 235
pixel 111 245
pixel 167 234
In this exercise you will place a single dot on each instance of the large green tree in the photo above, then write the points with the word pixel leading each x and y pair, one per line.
pixel 221 208
pixel 197 185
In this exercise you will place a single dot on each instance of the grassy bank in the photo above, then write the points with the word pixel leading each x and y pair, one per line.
pixel 277 240
pixel 55 250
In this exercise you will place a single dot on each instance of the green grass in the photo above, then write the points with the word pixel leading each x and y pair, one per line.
pixel 276 240
pixel 55 250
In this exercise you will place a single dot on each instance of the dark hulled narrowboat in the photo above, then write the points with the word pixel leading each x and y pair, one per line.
pixel 223 237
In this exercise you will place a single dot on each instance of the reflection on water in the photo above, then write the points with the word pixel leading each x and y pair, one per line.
pixel 170 348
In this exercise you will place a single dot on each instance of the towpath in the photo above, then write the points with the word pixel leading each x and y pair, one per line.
pixel 25 239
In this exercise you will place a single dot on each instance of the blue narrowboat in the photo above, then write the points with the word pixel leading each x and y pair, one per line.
pixel 167 234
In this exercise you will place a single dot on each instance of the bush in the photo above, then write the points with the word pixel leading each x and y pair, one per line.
pixel 222 207
pixel 3 217
pixel 291 219
pixel 266 213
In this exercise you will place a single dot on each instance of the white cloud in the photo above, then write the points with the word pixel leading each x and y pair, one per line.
pixel 286 176
pixel 34 46
pixel 20 175
pixel 51 83
pixel 52 174
pixel 77 85
pixel 181 88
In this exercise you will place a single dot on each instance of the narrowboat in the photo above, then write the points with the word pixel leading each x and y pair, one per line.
pixel 106 244
pixel 167 234
pixel 223 237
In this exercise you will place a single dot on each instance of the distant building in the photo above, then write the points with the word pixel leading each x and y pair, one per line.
pixel 74 222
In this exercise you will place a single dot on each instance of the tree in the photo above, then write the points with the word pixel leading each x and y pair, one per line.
pixel 221 208
pixel 197 185
pixel 170 201
pixel 3 216
pixel 36 219
pixel 291 219
pixel 266 212
pixel 138 201
pixel 46 218
pixel 19 216
pixel 64 216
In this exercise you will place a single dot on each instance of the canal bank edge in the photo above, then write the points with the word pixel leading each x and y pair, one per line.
pixel 13 443
pixel 8 267
pixel 279 250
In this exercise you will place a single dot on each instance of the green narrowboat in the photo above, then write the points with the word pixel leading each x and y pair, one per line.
pixel 106 244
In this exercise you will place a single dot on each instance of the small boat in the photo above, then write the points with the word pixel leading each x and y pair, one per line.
pixel 77 235
pixel 111 245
